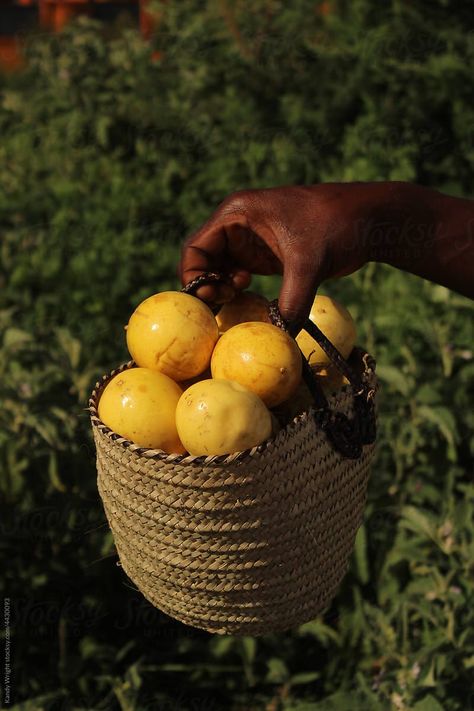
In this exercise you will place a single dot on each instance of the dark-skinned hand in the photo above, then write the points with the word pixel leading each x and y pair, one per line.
pixel 309 234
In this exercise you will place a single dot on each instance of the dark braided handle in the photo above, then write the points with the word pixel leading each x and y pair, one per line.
pixel 348 435
pixel 202 280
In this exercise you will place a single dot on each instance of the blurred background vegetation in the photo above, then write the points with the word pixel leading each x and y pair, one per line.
pixel 108 158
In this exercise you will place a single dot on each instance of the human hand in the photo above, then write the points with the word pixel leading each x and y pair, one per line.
pixel 313 233
pixel 304 233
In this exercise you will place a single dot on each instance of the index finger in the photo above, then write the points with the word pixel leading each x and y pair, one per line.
pixel 207 249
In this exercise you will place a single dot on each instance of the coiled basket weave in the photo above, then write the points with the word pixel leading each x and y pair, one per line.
pixel 248 543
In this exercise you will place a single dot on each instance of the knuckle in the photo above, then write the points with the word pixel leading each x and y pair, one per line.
pixel 237 202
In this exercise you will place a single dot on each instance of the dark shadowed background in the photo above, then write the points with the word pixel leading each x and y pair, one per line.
pixel 112 149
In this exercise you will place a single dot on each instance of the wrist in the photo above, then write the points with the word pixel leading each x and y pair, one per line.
pixel 422 231
pixel 400 223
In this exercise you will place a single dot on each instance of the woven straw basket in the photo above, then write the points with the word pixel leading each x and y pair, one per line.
pixel 248 543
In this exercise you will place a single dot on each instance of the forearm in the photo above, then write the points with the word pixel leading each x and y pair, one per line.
pixel 313 233
pixel 424 232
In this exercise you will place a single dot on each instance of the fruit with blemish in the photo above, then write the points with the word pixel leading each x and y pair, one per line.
pixel 173 333
pixel 262 358
pixel 140 404
pixel 335 321
pixel 221 417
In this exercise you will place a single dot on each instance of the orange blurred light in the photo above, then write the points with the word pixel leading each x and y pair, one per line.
pixel 11 58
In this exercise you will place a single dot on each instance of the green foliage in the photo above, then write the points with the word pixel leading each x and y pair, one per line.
pixel 107 160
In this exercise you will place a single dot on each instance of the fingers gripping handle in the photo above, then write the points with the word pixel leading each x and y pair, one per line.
pixel 204 279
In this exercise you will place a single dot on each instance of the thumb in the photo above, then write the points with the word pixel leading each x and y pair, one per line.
pixel 300 281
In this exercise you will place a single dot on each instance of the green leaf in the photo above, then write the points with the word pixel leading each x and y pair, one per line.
pixel 347 701
pixel 70 345
pixel 427 394
pixel 395 378
pixel 320 631
pixel 16 337
pixel 89 647
pixel 277 671
pixel 428 679
pixel 360 554
pixel 249 647
pixel 444 420
pixel 222 645
pixel 428 703
pixel 440 294
pixel 463 515
pixel 125 650
pixel 419 522
pixel 304 678
pixel 133 676
pixel 54 473
pixel 38 703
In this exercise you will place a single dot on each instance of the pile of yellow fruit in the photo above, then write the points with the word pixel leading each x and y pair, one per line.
pixel 211 385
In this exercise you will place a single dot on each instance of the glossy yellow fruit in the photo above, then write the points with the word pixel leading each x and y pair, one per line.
pixel 336 323
pixel 262 358
pixel 246 306
pixel 173 333
pixel 140 405
pixel 221 417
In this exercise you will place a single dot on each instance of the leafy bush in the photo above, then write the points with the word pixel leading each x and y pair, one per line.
pixel 107 160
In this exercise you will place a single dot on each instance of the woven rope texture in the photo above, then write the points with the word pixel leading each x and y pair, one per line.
pixel 239 544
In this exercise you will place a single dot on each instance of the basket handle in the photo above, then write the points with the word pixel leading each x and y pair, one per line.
pixel 348 435
pixel 204 279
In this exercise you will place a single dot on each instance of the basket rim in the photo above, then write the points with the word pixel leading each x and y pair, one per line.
pixel 219 459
